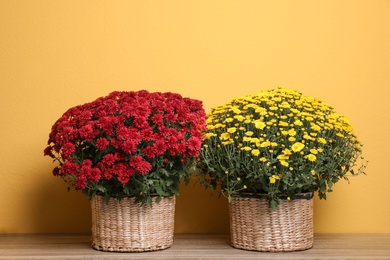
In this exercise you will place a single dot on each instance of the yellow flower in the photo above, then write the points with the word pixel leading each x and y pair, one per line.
pixel 238 178
pixel 244 187
pixel 311 157
pixel 292 139
pixel 321 140
pixel 292 132
pixel 232 130
pixel 273 178
pixel 224 136
pixel 265 144
pixel 313 151
pixel 313 172
pixel 287 151
pixel 239 118
pixel 263 159
pixel 297 147
pixel 249 133
pixel 209 135
pixel 282 157
pixel 255 152
pixel 285 105
pixel 282 123
pixel 219 125
pixel 228 142
pixel 246 139
pixel 315 127
pixel 284 163
pixel 229 120
pixel 298 122
pixel 259 125
pixel 307 137
pixel 236 110
pixel 246 148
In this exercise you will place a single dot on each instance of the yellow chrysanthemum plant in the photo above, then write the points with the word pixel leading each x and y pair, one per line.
pixel 278 144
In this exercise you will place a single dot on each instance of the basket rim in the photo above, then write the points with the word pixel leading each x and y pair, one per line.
pixel 305 195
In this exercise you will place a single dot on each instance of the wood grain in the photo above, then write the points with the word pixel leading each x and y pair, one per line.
pixel 194 246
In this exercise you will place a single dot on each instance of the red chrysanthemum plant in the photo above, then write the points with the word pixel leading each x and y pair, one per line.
pixel 128 144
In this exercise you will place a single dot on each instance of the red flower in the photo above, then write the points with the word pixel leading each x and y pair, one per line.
pixel 147 134
pixel 140 165
pixel 171 118
pixel 193 143
pixel 123 171
pixel 157 119
pixel 129 146
pixel 107 173
pixel 94 174
pixel 150 151
pixel 125 133
pixel 109 159
pixel 140 122
pixel 160 146
pixel 69 168
pixel 68 149
pixel 86 115
pixel 107 124
pixel 56 171
pixel 48 152
pixel 86 132
pixel 80 182
pixel 102 143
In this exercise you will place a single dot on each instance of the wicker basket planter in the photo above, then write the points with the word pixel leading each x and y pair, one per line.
pixel 128 227
pixel 255 226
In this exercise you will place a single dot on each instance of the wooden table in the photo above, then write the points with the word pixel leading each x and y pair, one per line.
pixel 193 246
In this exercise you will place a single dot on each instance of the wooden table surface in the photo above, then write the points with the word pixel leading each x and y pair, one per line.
pixel 193 246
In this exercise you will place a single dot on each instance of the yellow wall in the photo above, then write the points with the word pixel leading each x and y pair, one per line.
pixel 58 54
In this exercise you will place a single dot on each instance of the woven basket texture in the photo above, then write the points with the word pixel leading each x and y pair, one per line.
pixel 255 226
pixel 125 226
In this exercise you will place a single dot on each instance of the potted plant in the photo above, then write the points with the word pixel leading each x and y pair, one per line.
pixel 128 152
pixel 269 152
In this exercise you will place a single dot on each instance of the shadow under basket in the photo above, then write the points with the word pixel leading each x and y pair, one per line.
pixel 125 226
pixel 255 226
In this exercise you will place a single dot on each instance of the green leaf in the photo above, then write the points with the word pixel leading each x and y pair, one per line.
pixel 159 190
pixel 330 184
pixel 273 204
pixel 149 201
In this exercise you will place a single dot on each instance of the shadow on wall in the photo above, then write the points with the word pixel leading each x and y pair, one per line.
pixel 197 213
pixel 55 210
pixel 50 208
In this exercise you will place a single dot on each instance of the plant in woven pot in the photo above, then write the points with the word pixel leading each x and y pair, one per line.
pixel 128 152
pixel 268 153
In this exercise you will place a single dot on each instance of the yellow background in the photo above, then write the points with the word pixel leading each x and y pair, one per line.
pixel 58 54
